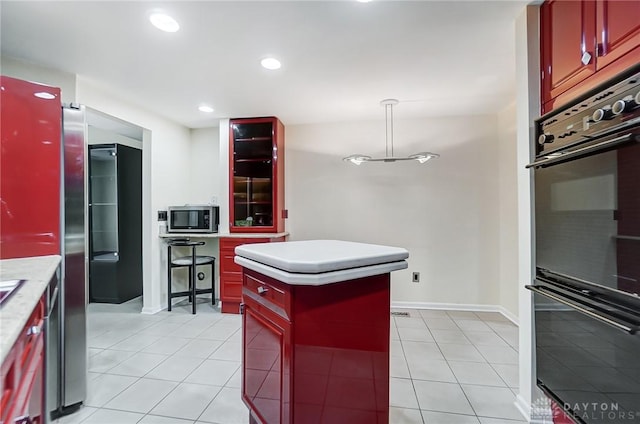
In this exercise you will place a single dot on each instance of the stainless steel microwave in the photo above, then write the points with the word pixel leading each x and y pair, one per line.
pixel 193 219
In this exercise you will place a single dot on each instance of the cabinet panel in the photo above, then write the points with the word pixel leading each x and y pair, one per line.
pixel 232 289
pixel 230 243
pixel 30 166
pixel 618 24
pixel 23 373
pixel 568 45
pixel 227 263
pixel 231 273
pixel 268 292
pixel 263 356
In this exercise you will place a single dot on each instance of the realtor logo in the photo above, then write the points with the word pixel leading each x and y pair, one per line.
pixel 542 411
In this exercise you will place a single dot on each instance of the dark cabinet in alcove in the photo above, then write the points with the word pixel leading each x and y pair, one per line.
pixel 115 217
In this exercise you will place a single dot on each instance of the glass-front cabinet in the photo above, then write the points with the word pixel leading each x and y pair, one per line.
pixel 104 203
pixel 115 223
pixel 256 192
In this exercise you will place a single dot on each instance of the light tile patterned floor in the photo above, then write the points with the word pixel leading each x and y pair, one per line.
pixel 447 367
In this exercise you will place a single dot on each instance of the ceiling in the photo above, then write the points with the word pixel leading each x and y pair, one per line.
pixel 339 58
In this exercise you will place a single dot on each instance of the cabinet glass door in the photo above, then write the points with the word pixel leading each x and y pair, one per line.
pixel 104 203
pixel 253 151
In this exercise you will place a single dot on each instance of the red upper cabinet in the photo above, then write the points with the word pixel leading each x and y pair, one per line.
pixel 30 161
pixel 584 43
pixel 618 24
pixel 256 180
pixel 568 37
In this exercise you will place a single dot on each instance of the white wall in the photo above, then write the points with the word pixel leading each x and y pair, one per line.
pixel 102 136
pixel 445 212
pixel 205 166
pixel 508 210
pixel 16 68
pixel 527 109
pixel 166 178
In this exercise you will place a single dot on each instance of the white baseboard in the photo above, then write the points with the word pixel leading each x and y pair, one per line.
pixel 151 310
pixel 510 316
pixel 524 407
pixel 457 307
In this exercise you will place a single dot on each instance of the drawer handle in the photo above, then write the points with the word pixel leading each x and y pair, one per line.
pixel 25 419
pixel 262 290
pixel 34 329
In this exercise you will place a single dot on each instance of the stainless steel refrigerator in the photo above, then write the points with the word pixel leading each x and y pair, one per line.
pixel 66 368
pixel 43 212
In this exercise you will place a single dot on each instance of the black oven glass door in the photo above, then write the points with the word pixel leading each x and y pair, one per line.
pixel 591 368
pixel 588 218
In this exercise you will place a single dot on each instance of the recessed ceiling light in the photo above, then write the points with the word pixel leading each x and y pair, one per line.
pixel 205 108
pixel 164 22
pixel 364 1
pixel 44 95
pixel 270 63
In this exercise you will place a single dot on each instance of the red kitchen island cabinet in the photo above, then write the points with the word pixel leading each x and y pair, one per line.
pixel 316 318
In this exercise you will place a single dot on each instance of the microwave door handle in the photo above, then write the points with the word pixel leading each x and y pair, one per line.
pixel 585 150
pixel 582 310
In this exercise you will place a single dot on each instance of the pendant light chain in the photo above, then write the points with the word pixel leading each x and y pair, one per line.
pixel 391 124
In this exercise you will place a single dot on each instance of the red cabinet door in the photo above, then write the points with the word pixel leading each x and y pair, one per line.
pixel 618 30
pixel 264 338
pixel 31 121
pixel 568 42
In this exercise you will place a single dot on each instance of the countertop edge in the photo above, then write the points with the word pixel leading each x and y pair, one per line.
pixel 15 312
pixel 223 235
pixel 323 278
pixel 319 256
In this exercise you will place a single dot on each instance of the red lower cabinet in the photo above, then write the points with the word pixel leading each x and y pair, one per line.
pixel 231 273
pixel 264 355
pixel 23 375
pixel 316 354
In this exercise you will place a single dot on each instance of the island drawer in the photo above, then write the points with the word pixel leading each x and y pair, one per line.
pixel 264 290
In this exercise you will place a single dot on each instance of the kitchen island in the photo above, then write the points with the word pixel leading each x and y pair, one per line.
pixel 316 330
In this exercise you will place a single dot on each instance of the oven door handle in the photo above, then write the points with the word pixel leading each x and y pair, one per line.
pixel 627 138
pixel 579 308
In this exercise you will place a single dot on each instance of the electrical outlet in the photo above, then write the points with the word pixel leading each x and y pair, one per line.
pixel 415 277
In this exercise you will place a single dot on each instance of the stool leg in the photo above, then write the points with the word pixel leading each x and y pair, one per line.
pixel 190 282
pixel 213 282
pixel 193 279
pixel 169 279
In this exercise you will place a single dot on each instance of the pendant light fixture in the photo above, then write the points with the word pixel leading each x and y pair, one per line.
pixel 421 157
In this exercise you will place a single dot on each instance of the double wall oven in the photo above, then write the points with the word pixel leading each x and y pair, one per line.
pixel 587 247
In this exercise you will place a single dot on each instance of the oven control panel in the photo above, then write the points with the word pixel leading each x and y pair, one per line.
pixel 608 110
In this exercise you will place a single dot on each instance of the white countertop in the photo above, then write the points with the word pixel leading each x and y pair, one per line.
pixel 15 311
pixel 317 256
pixel 300 279
pixel 223 235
